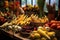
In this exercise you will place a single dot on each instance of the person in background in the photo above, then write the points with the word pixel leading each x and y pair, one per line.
pixel 51 9
pixel 19 9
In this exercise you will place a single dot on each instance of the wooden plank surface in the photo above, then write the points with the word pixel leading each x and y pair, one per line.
pixel 14 35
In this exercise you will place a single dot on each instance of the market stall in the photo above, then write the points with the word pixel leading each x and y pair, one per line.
pixel 29 22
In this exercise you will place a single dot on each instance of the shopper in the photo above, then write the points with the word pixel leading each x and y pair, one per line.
pixel 18 8
pixel 51 9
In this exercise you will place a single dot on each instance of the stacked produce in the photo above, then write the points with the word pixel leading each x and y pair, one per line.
pixel 24 19
pixel 21 24
pixel 53 24
pixel 42 34
pixel 27 22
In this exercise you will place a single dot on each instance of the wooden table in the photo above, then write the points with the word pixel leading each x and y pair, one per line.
pixel 13 35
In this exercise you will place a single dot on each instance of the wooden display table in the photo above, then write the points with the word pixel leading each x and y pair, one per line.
pixel 13 35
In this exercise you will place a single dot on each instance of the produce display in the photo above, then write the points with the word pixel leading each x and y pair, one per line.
pixel 53 24
pixel 22 25
pixel 38 33
pixel 41 33
pixel 33 24
pixel 24 19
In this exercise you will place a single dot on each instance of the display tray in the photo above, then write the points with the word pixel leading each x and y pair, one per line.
pixel 13 35
pixel 18 36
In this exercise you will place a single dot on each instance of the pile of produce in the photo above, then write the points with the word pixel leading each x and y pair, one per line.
pixel 25 22
pixel 42 34
pixel 53 24
pixel 24 19
pixel 22 24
